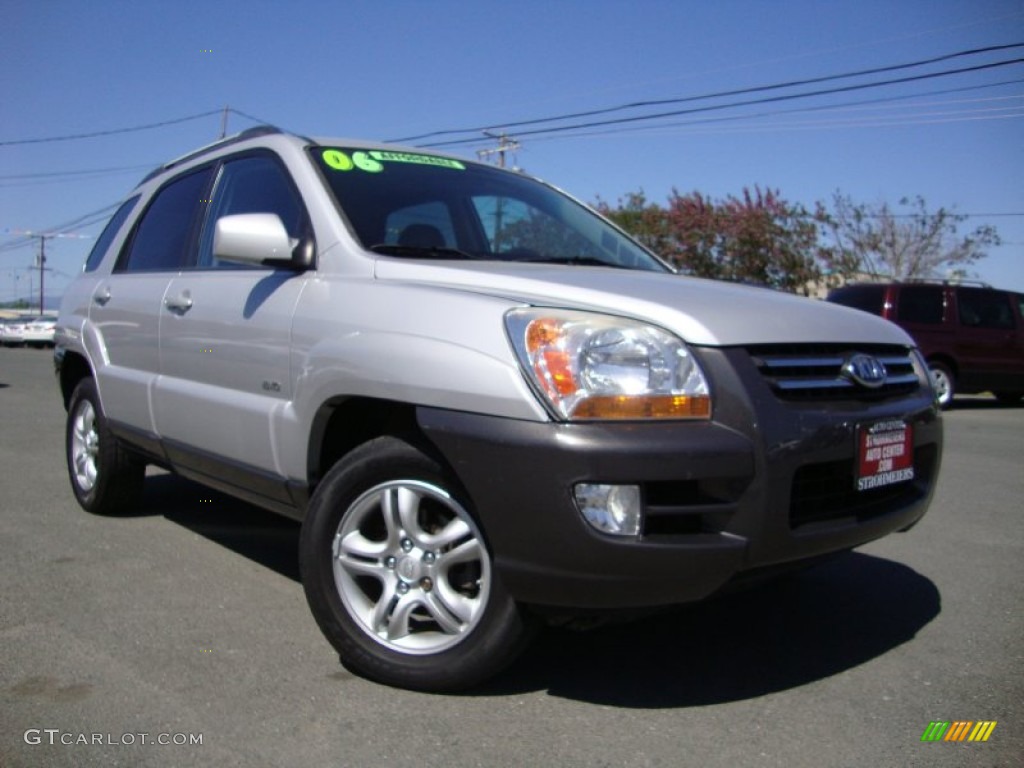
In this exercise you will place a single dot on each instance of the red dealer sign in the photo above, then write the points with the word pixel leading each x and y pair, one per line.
pixel 885 454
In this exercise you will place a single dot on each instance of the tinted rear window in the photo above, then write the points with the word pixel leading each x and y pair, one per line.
pixel 109 233
pixel 981 308
pixel 921 304
pixel 869 298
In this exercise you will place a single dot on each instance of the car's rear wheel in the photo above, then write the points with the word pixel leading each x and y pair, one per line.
pixel 943 382
pixel 399 576
pixel 105 477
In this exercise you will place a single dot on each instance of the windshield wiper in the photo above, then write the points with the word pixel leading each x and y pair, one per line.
pixel 585 261
pixel 420 252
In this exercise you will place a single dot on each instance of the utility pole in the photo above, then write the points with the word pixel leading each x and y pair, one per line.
pixel 43 237
pixel 17 290
pixel 42 271
pixel 505 144
pixel 224 122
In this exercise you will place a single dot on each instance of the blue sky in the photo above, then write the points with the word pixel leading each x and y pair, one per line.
pixel 390 69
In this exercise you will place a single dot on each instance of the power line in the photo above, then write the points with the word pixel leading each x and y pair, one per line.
pixel 744 103
pixel 82 171
pixel 111 132
pixel 132 129
pixel 240 113
pixel 840 107
pixel 879 121
pixel 698 74
pixel 85 220
pixel 68 177
pixel 720 94
pixel 80 220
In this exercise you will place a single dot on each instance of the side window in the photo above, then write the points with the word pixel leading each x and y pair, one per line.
pixel 869 298
pixel 161 240
pixel 422 226
pixel 980 308
pixel 921 304
pixel 110 231
pixel 253 184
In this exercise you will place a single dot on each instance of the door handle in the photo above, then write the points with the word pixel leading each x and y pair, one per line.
pixel 180 304
pixel 102 297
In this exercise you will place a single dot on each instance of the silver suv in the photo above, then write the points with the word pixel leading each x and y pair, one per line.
pixel 485 403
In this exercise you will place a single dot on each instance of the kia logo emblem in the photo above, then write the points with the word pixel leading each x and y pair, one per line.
pixel 865 370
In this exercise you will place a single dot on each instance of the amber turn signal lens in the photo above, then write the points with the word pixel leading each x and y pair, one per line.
pixel 648 407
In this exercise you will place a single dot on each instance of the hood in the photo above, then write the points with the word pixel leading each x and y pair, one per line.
pixel 703 312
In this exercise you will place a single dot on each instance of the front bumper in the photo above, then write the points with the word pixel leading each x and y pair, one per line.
pixel 766 483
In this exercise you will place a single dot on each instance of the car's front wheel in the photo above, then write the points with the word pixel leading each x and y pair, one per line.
pixel 106 478
pixel 943 382
pixel 399 576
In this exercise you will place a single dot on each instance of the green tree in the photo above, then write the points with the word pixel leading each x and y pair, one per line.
pixel 757 237
pixel 644 220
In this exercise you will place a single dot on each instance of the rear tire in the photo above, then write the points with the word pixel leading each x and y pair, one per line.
pixel 399 577
pixel 105 477
pixel 943 382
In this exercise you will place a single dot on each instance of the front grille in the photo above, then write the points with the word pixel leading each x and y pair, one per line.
pixel 827 491
pixel 813 371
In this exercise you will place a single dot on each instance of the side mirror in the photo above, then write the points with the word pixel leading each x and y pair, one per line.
pixel 259 238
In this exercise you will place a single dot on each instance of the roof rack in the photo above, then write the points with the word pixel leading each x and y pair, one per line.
pixel 248 133
pixel 884 280
pixel 947 281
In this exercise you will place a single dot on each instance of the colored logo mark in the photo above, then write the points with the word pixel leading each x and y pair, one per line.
pixel 958 730
pixel 340 161
pixel 373 160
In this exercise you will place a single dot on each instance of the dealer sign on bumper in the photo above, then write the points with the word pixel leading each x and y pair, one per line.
pixel 886 454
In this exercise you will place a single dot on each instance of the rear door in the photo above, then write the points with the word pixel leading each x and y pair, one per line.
pixel 988 340
pixel 126 305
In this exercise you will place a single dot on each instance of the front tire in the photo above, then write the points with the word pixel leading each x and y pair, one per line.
pixel 398 575
pixel 944 383
pixel 105 477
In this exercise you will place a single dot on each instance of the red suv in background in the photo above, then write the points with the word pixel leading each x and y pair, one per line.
pixel 972 335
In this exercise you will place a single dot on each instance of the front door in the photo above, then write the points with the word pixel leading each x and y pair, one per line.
pixel 225 337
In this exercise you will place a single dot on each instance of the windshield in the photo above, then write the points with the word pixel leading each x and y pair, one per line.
pixel 425 206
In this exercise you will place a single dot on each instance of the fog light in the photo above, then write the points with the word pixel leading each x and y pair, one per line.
pixel 613 509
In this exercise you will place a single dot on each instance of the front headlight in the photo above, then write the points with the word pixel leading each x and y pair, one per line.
pixel 593 367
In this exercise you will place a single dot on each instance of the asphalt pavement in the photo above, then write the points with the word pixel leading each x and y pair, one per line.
pixel 180 636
